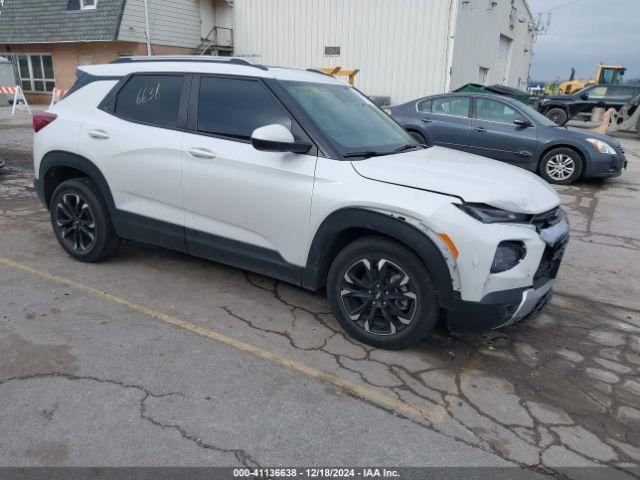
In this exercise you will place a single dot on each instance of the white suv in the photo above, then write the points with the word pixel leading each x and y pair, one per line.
pixel 295 175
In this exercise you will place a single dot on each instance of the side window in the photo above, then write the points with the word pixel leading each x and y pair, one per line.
pixel 456 106
pixel 236 107
pixel 424 106
pixel 597 93
pixel 494 111
pixel 151 99
pixel 620 93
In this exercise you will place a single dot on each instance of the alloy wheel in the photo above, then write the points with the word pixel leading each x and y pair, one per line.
pixel 378 296
pixel 75 222
pixel 560 167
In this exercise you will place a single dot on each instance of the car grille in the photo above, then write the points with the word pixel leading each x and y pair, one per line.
pixel 550 263
pixel 619 149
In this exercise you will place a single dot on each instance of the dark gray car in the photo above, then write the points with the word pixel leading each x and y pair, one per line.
pixel 504 129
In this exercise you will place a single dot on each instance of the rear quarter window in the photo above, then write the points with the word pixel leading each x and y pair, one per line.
pixel 151 99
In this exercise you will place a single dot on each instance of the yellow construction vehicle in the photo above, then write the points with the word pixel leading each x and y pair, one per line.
pixel 605 75
pixel 339 72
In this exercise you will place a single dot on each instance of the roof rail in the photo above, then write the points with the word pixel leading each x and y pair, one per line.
pixel 191 59
pixel 315 70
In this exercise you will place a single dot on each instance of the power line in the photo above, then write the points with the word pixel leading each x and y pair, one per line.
pixel 560 6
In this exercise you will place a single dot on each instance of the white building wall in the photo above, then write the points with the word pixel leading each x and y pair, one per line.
pixel 477 38
pixel 215 13
pixel 175 23
pixel 400 46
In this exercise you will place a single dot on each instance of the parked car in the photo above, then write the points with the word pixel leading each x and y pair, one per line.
pixel 296 175
pixel 561 108
pixel 507 130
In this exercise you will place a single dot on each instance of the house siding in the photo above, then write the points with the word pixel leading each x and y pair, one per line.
pixel 175 23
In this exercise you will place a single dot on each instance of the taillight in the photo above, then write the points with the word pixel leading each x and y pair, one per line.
pixel 42 119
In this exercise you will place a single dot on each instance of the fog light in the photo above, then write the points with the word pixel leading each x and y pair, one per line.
pixel 508 255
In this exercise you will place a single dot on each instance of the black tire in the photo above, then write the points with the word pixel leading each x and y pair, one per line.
pixel 557 115
pixel 561 166
pixel 81 221
pixel 418 137
pixel 401 314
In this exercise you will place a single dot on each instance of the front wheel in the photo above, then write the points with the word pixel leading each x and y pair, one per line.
pixel 561 166
pixel 382 294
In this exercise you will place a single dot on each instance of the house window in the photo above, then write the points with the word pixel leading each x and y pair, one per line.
pixel 35 72
pixel 75 5
pixel 88 4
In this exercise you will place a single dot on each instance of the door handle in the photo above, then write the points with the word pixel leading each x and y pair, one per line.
pixel 426 120
pixel 199 152
pixel 98 134
pixel 480 129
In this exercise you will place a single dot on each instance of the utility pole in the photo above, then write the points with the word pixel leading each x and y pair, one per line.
pixel 146 27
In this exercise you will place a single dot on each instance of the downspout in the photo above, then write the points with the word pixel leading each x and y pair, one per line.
pixel 147 34
pixel 451 35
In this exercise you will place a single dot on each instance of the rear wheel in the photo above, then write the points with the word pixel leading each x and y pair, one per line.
pixel 557 115
pixel 382 294
pixel 81 222
pixel 561 166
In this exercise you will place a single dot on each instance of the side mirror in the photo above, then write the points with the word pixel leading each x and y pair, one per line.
pixel 584 96
pixel 522 123
pixel 277 138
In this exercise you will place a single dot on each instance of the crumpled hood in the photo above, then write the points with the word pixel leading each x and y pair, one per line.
pixel 473 178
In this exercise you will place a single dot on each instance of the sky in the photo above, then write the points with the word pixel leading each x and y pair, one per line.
pixel 584 33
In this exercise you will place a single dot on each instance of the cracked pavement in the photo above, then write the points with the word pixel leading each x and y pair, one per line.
pixel 85 381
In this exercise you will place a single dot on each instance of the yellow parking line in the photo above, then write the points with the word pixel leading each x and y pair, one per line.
pixel 433 415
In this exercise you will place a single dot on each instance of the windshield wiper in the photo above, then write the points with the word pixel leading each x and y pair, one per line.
pixel 373 153
pixel 364 154
pixel 406 147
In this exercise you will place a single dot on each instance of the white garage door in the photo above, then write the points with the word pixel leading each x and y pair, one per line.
pixel 501 71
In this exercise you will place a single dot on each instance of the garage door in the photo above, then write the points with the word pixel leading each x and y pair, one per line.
pixel 501 71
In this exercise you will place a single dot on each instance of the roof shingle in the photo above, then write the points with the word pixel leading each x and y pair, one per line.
pixel 37 21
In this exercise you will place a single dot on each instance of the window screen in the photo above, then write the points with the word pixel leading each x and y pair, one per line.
pixel 151 99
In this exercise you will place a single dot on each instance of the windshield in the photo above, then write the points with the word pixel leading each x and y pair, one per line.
pixel 355 124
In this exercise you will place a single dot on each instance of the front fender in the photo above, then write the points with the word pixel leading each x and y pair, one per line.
pixel 400 230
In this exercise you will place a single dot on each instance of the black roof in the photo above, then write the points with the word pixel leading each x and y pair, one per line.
pixel 39 21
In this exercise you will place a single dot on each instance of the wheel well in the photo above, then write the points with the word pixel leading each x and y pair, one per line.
pixel 55 176
pixel 570 147
pixel 341 240
pixel 415 130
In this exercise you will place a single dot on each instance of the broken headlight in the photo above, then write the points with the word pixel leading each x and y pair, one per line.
pixel 488 214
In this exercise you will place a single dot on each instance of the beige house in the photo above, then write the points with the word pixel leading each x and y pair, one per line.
pixel 46 41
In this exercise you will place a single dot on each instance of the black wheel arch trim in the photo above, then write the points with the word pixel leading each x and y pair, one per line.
pixel 548 147
pixel 318 262
pixel 59 158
